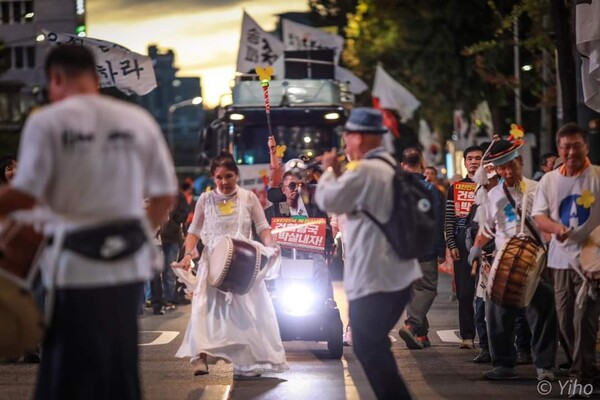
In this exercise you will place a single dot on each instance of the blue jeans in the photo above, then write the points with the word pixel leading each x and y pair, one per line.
pixel 480 323
pixel 170 253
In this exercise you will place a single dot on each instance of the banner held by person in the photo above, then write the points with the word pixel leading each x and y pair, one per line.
pixel 130 72
pixel 305 234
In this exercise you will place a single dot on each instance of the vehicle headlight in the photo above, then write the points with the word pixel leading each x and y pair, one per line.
pixel 297 299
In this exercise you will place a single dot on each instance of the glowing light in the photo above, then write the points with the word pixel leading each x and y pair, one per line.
pixel 40 38
pixel 80 7
pixel 196 100
pixel 297 299
pixel 332 116
pixel 526 68
pixel 307 139
pixel 236 117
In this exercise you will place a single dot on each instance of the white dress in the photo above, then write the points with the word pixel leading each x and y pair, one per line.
pixel 241 329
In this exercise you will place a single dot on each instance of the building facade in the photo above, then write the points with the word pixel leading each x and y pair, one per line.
pixel 23 52
pixel 170 104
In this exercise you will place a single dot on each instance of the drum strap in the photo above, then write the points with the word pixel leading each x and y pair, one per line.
pixel 528 223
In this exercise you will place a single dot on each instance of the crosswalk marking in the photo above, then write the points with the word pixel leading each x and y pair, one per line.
pixel 164 338
pixel 216 392
pixel 449 336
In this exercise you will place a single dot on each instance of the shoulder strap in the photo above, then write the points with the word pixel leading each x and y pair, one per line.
pixel 528 223
pixel 385 160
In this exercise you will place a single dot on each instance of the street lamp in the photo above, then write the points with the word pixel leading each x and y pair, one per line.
pixel 170 124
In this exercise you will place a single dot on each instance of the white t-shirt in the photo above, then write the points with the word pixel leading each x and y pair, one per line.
pixel 92 157
pixel 574 202
pixel 502 216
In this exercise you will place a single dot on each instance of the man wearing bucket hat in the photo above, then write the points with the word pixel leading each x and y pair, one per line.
pixel 501 214
pixel 378 283
pixel 566 206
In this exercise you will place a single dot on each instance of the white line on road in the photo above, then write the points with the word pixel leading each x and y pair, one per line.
pixel 216 392
pixel 449 336
pixel 164 338
pixel 351 393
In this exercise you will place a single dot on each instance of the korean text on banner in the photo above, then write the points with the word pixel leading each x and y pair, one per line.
pixel 302 234
pixel 257 47
pixel 130 72
pixel 464 197
pixel 303 37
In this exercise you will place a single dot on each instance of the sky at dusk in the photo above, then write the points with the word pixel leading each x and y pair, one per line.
pixel 204 34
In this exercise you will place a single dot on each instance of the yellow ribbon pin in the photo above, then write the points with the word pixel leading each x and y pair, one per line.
pixel 226 207
pixel 587 199
pixel 352 166
pixel 280 150
pixel 522 186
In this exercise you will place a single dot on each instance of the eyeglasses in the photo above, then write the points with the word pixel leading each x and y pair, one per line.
pixel 292 186
pixel 571 146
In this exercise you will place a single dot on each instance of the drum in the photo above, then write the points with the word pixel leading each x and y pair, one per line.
pixel 234 265
pixel 590 256
pixel 21 323
pixel 516 272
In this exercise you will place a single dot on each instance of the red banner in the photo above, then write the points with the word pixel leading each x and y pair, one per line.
pixel 464 197
pixel 304 234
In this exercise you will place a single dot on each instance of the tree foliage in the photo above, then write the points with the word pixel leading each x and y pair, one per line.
pixel 451 54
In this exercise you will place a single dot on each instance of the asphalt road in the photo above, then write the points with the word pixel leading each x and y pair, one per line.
pixel 440 372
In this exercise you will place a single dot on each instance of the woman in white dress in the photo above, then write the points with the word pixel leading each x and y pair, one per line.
pixel 242 329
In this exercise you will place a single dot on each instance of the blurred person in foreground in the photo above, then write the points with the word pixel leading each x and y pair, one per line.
pixel 8 168
pixel 73 154
pixel 378 283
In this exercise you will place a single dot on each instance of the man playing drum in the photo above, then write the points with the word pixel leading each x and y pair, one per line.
pixel 91 160
pixel 566 206
pixel 503 215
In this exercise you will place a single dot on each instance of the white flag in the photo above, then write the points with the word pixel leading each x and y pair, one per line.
pixel 257 47
pixel 357 85
pixel 130 72
pixel 393 95
pixel 303 37
pixel 587 35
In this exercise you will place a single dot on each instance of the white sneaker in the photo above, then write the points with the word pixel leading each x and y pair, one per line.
pixel 544 374
pixel 238 373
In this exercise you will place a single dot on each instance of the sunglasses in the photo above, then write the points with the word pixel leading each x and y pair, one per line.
pixel 292 186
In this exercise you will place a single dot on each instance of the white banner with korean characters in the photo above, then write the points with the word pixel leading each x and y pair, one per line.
pixel 130 72
pixel 257 47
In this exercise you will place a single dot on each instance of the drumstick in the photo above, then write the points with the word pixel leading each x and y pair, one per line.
pixel 474 267
pixel 524 210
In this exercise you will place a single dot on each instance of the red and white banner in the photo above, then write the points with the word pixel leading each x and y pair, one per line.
pixel 464 197
pixel 303 234
pixel 393 95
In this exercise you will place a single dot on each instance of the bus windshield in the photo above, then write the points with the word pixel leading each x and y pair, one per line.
pixel 250 145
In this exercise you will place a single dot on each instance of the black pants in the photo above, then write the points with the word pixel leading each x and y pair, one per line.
pixel 541 316
pixel 465 289
pixel 91 348
pixel 372 317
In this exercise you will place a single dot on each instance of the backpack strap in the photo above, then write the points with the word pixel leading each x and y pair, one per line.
pixel 366 212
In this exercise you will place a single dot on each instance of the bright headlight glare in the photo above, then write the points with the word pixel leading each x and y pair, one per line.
pixel 297 299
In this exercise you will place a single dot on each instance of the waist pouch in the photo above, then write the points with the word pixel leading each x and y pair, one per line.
pixel 109 242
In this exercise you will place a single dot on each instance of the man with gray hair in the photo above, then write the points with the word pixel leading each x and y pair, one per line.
pixel 378 283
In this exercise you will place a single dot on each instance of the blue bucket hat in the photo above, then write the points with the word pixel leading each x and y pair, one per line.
pixel 366 121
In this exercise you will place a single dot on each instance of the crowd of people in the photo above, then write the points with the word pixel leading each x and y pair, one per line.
pixel 105 245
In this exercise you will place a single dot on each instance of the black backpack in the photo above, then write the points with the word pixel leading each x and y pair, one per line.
pixel 412 226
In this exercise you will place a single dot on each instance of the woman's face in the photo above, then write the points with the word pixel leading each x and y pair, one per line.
pixel 225 179
pixel 9 171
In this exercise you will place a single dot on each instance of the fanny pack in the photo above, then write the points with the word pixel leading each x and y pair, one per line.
pixel 109 242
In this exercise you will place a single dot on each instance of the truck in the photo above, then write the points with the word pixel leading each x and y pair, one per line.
pixel 307 116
